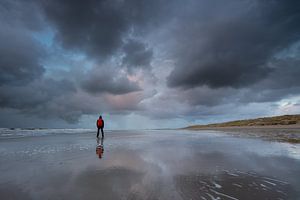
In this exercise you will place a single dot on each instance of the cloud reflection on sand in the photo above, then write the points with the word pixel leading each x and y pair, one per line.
pixel 148 165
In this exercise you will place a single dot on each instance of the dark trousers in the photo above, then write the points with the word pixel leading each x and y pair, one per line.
pixel 101 132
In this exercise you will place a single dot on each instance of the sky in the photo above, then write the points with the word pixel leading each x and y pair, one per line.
pixel 147 64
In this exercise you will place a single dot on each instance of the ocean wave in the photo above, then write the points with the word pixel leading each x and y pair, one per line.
pixel 6 133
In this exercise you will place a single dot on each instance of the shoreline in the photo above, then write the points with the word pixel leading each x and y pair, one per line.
pixel 280 133
pixel 205 127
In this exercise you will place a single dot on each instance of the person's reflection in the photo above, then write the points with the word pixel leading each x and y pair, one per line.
pixel 100 148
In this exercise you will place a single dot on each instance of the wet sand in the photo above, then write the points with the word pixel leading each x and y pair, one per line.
pixel 169 164
pixel 282 133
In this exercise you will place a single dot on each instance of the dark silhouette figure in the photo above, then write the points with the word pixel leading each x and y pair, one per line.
pixel 100 148
pixel 100 125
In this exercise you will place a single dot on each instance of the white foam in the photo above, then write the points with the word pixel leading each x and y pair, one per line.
pixel 19 133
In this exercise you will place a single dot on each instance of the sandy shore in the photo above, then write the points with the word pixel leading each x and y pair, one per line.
pixel 293 126
pixel 148 165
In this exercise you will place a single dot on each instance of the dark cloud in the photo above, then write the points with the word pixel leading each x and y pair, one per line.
pixel 38 97
pixel 206 96
pixel 63 59
pixel 97 31
pixel 231 45
pixel 215 103
pixel 20 54
pixel 50 99
pixel 101 80
pixel 98 28
pixel 285 74
pixel 20 58
pixel 95 27
pixel 20 14
pixel 137 55
pixel 282 82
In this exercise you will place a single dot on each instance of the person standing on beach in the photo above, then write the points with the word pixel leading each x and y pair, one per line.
pixel 100 125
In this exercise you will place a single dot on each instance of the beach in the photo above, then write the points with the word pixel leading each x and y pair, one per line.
pixel 146 164
pixel 281 133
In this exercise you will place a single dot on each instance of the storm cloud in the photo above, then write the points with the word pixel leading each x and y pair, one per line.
pixel 99 28
pixel 137 55
pixel 96 27
pixel 107 81
pixel 185 60
pixel 231 45
pixel 20 58
pixel 20 55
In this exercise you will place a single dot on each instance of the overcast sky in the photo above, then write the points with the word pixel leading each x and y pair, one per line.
pixel 147 63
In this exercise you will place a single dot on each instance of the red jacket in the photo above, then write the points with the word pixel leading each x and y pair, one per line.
pixel 100 123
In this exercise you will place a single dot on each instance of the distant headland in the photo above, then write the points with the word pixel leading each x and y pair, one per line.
pixel 285 128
